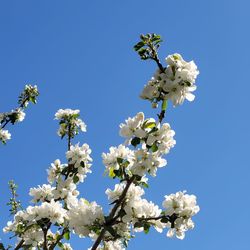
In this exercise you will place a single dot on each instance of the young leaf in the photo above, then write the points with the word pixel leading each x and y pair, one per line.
pixel 135 141
pixel 66 235
pixel 154 147
pixel 111 172
pixel 75 179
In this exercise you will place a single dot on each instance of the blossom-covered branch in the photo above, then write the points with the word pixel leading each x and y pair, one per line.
pixel 29 94
pixel 57 211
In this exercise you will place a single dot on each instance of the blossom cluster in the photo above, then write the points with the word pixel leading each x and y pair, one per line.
pixel 155 141
pixel 176 82
pixel 135 207
pixel 14 116
pixel 56 203
pixel 111 245
pixel 33 219
pixel 80 158
pixel 29 94
pixel 176 215
pixel 56 206
pixel 70 123
pixel 181 206
pixel 4 135
pixel 84 215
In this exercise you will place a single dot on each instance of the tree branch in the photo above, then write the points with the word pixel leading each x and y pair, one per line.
pixel 52 246
pixel 19 245
pixel 111 218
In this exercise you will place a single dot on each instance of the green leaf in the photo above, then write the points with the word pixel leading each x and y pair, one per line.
pixel 139 45
pixel 135 141
pixel 66 235
pixel 111 172
pixel 154 147
pixel 149 124
pixel 142 51
pixel 119 160
pixel 82 164
pixel 146 228
pixel 118 173
pixel 144 184
pixel 33 99
pixel 156 38
pixel 60 244
pixel 2 246
pixel 125 164
pixel 125 243
pixel 75 179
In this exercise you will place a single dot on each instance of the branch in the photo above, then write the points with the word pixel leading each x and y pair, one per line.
pixel 120 200
pixel 19 245
pixel 153 218
pixel 52 246
pixel 163 111
pixel 111 218
pixel 99 239
pixel 155 57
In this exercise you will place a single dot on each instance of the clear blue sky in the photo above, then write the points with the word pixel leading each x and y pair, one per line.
pixel 80 55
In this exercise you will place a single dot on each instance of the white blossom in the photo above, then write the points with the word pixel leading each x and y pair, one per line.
pixel 55 170
pixel 33 236
pixel 77 155
pixel 4 135
pixel 164 137
pixel 141 208
pixel 83 215
pixel 175 83
pixel 52 210
pixel 184 207
pixel 20 115
pixel 65 113
pixel 134 192
pixel 186 70
pixel 151 90
pixel 80 158
pixel 128 128
pixel 2 117
pixel 65 188
pixel 42 193
pixel 67 246
pixel 116 154
pixel 113 245
pixel 69 122
pixel 147 162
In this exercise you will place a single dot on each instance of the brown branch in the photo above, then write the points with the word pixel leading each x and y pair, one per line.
pixel 155 57
pixel 21 106
pixel 99 239
pixel 19 245
pixel 120 200
pixel 153 218
pixel 112 218
pixel 52 246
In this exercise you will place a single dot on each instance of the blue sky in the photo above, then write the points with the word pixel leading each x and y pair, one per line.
pixel 80 55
